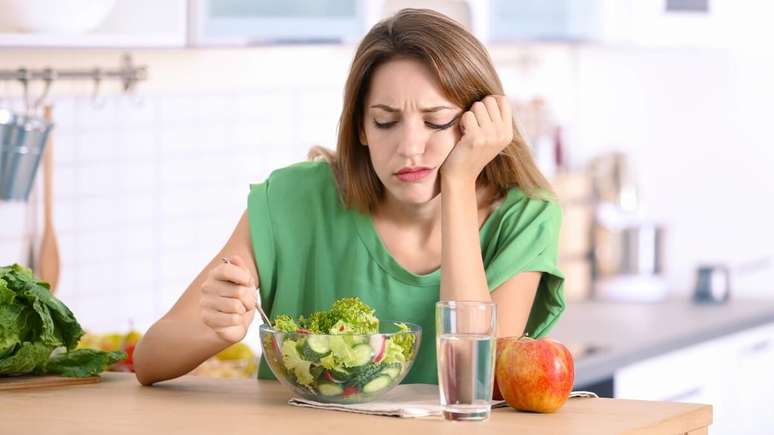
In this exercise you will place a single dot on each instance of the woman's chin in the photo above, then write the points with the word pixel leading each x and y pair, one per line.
pixel 416 195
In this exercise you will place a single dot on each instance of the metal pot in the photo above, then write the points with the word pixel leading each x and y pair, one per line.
pixel 22 142
pixel 629 263
pixel 634 250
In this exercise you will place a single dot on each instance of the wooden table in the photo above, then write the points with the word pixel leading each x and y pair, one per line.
pixel 193 405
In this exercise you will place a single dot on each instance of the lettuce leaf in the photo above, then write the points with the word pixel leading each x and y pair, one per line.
pixel 294 362
pixel 34 323
pixel 82 362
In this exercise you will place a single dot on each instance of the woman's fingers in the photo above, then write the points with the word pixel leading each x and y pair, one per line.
pixel 224 305
pixel 233 273
pixel 216 319
pixel 493 109
pixel 468 122
pixel 482 114
pixel 505 109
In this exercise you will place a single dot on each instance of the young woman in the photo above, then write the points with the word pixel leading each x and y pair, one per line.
pixel 431 195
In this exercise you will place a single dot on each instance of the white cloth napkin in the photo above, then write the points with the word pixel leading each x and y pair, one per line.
pixel 405 400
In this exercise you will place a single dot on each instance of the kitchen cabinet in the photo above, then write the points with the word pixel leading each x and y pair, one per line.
pixel 201 23
pixel 129 24
pixel 647 23
pixel 733 373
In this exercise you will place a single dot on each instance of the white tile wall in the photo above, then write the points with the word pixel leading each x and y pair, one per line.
pixel 147 190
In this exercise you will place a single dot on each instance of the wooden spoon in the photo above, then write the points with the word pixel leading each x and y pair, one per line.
pixel 48 260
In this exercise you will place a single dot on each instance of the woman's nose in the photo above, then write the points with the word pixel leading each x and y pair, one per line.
pixel 412 141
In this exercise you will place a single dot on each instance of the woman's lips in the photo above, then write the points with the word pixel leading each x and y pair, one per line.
pixel 413 175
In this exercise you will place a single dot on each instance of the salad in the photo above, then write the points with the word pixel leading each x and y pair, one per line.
pixel 340 352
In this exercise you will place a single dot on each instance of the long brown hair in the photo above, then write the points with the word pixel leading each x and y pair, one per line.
pixel 466 74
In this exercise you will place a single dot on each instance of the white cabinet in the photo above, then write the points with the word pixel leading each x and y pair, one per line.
pixel 733 373
pixel 129 24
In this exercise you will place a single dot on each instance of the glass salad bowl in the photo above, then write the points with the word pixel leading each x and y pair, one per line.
pixel 342 368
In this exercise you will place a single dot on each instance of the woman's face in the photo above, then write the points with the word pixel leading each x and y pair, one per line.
pixel 409 128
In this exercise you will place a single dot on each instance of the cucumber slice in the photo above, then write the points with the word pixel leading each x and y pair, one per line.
pixel 354 340
pixel 379 383
pixel 363 353
pixel 318 344
pixel 392 372
pixel 328 389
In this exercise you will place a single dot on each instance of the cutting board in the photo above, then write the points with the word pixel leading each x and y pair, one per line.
pixel 27 382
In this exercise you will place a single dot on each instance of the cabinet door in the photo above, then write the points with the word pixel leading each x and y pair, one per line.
pixel 687 375
pixel 732 373
pixel 752 383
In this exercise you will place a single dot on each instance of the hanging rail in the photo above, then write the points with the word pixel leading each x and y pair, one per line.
pixel 128 73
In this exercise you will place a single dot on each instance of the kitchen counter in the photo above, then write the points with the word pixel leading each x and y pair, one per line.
pixel 194 405
pixel 620 334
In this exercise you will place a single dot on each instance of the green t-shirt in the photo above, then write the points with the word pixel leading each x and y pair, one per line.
pixel 311 251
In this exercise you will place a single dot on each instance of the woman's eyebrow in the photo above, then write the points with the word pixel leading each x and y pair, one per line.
pixel 387 108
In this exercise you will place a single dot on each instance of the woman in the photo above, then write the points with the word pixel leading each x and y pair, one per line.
pixel 431 195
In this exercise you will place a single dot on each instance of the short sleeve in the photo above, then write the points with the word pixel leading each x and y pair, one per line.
pixel 528 242
pixel 262 237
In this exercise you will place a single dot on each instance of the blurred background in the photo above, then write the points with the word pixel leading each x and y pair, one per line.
pixel 650 117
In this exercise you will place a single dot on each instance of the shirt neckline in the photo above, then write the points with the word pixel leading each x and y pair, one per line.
pixel 370 237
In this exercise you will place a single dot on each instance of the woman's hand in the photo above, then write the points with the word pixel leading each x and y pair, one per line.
pixel 487 128
pixel 228 299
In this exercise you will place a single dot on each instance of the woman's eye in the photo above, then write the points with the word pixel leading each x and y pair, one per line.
pixel 384 124
pixel 444 126
pixel 441 126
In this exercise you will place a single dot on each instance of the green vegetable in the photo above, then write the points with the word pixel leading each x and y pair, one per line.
pixel 393 352
pixel 365 375
pixel 348 315
pixel 34 324
pixel 333 354
pixel 82 362
pixel 329 362
pixel 377 384
pixel 363 354
pixel 316 347
pixel 285 323
pixel 330 389
pixel 294 362
pixel 405 340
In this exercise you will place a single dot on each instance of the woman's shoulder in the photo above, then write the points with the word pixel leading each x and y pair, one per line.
pixel 309 172
pixel 519 208
pixel 300 179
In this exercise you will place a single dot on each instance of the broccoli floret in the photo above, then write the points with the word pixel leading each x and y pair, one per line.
pixel 285 323
pixel 358 317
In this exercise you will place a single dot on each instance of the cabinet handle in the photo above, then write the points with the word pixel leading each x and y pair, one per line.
pixel 688 393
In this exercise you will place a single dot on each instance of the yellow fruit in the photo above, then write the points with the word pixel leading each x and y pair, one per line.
pixel 111 342
pixel 132 337
pixel 236 351
pixel 89 341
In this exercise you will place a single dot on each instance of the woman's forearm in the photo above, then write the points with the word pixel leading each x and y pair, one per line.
pixel 174 347
pixel 462 269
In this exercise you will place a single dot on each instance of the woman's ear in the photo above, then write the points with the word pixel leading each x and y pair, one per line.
pixel 362 138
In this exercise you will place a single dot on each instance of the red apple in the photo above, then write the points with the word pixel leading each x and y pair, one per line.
pixel 500 347
pixel 534 374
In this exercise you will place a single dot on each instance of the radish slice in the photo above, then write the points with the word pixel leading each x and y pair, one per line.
pixel 378 344
pixel 348 391
pixel 330 377
pixel 302 331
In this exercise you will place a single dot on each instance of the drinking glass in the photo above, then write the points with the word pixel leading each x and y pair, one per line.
pixel 465 346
